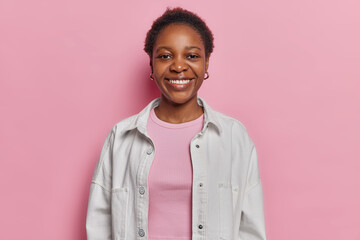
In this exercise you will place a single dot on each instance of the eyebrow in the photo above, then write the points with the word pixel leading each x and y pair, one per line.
pixel 169 48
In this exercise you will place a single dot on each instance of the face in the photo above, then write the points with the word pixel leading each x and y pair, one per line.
pixel 179 63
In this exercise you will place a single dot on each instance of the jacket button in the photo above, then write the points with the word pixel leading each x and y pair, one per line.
pixel 142 190
pixel 141 232
pixel 200 184
pixel 197 145
pixel 149 151
pixel 200 226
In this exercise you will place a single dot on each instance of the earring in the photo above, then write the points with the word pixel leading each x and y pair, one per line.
pixel 151 77
pixel 207 75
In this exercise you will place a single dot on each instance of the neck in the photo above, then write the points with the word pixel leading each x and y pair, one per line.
pixel 178 113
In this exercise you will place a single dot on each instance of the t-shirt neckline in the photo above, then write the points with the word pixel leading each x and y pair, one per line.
pixel 162 123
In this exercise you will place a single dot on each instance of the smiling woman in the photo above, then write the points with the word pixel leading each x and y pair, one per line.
pixel 179 65
pixel 178 169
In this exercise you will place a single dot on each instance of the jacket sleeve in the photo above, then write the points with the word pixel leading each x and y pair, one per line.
pixel 252 224
pixel 98 218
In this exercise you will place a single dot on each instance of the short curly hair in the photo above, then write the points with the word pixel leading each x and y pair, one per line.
pixel 179 15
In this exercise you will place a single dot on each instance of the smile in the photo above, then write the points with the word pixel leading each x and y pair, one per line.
pixel 179 84
pixel 177 81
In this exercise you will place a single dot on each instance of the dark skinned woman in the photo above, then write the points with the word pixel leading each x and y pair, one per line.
pixel 177 170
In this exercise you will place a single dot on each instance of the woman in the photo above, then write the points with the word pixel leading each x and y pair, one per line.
pixel 178 169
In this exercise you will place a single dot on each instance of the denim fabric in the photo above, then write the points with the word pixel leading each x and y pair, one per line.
pixel 227 200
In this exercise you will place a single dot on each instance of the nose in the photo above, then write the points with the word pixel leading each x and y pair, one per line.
pixel 178 65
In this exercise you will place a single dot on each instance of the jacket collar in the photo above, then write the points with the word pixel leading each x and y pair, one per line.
pixel 140 120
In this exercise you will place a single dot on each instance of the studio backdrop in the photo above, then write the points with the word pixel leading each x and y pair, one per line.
pixel 288 70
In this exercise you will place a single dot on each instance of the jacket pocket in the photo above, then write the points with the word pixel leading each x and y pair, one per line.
pixel 119 206
pixel 227 200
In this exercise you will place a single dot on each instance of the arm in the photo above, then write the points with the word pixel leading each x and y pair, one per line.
pixel 98 218
pixel 252 225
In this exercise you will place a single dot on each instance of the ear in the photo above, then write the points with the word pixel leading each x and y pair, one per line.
pixel 207 63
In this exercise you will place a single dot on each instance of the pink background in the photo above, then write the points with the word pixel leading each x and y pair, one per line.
pixel 289 70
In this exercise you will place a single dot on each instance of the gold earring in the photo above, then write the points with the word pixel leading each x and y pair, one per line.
pixel 151 77
pixel 206 73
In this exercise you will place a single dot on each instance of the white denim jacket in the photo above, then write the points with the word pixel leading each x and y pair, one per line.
pixel 227 201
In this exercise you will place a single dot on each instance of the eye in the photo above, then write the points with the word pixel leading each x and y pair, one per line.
pixel 193 56
pixel 164 56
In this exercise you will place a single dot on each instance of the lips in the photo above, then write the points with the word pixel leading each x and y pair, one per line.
pixel 179 83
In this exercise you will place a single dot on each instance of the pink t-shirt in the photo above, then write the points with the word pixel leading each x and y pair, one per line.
pixel 170 178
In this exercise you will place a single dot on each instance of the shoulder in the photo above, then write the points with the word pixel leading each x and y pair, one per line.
pixel 124 124
pixel 228 121
pixel 224 122
pixel 138 120
pixel 234 128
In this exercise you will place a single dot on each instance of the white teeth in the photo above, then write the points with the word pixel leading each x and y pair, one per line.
pixel 184 81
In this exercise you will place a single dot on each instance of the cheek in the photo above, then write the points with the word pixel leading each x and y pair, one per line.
pixel 160 69
pixel 199 68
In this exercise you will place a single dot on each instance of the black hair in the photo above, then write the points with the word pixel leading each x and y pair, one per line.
pixel 179 15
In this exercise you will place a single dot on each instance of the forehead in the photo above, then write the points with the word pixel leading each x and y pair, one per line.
pixel 178 34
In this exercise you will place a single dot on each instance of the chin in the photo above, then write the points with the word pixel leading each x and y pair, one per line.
pixel 179 99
